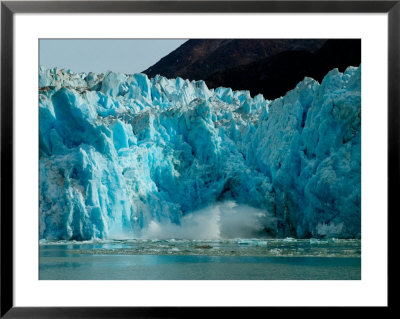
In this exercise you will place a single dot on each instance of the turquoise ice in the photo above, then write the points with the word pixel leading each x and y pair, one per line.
pixel 120 152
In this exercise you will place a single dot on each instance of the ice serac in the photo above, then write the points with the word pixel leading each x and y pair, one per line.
pixel 119 152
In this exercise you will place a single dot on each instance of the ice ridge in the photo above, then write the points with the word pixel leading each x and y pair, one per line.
pixel 119 151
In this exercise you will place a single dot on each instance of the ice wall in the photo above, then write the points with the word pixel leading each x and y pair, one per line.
pixel 121 152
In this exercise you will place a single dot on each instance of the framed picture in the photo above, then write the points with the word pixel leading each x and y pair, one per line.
pixel 196 154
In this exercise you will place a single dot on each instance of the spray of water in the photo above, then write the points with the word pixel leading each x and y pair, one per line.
pixel 221 220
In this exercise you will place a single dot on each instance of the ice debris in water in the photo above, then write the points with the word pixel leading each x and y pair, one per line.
pixel 121 151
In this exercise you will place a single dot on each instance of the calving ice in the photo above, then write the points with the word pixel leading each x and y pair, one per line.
pixel 127 156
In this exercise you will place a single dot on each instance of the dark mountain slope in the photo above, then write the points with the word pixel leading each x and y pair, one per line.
pixel 197 59
pixel 276 75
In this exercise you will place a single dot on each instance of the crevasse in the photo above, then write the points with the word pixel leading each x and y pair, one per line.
pixel 118 152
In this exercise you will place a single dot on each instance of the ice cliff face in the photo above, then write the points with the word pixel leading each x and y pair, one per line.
pixel 120 151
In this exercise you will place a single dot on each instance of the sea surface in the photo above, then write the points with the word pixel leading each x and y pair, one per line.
pixel 180 259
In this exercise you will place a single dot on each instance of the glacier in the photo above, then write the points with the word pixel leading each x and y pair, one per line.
pixel 121 153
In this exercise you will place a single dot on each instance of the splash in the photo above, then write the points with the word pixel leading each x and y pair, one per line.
pixel 223 220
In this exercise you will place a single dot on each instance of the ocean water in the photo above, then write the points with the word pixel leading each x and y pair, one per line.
pixel 179 259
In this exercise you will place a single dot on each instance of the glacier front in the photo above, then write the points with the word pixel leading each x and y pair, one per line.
pixel 120 153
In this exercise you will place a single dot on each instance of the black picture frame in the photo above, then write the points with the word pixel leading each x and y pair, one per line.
pixel 9 8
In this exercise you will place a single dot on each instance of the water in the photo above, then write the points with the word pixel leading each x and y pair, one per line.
pixel 235 259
